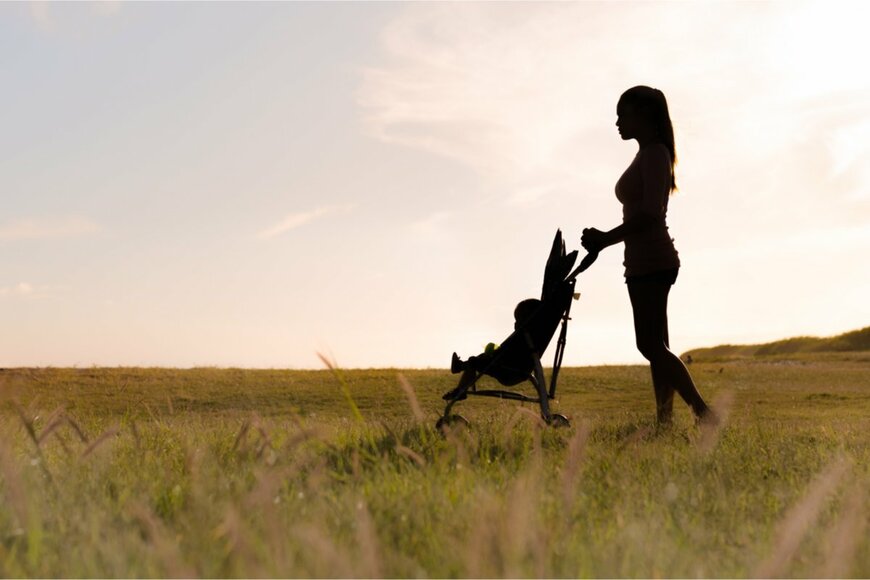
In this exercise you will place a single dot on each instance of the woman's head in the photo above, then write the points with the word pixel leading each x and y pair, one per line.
pixel 644 110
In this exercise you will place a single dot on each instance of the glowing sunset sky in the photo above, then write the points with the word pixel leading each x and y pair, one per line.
pixel 239 184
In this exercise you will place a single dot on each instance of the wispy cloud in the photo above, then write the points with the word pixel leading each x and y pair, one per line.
pixel 475 84
pixel 298 219
pixel 41 15
pixel 508 90
pixel 20 289
pixel 51 17
pixel 47 228
pixel 431 226
pixel 522 93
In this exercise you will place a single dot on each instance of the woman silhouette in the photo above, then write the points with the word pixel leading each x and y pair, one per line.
pixel 651 261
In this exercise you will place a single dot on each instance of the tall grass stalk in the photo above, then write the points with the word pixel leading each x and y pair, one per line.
pixel 794 526
pixel 343 384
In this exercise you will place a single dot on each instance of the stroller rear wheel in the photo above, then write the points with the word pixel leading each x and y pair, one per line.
pixel 559 421
pixel 451 421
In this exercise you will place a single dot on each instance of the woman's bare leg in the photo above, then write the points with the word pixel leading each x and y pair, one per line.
pixel 649 302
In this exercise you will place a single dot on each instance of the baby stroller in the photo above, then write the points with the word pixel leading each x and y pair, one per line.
pixel 518 358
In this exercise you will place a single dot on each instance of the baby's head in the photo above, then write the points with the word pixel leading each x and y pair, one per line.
pixel 525 310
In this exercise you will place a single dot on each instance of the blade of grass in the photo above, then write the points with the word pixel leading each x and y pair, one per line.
pixel 345 389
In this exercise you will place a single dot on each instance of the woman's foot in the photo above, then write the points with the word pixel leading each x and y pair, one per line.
pixel 665 422
pixel 708 418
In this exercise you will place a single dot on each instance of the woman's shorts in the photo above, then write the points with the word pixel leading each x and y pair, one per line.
pixel 667 277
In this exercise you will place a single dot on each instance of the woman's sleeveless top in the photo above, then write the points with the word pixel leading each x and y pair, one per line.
pixel 645 188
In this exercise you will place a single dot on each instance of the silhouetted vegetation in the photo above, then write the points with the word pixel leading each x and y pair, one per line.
pixel 855 341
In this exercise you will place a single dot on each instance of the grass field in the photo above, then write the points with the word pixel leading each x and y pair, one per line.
pixel 221 472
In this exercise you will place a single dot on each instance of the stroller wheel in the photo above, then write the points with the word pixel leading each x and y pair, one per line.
pixel 560 421
pixel 451 421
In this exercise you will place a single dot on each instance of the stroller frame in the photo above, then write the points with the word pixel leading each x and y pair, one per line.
pixel 537 378
pixel 545 393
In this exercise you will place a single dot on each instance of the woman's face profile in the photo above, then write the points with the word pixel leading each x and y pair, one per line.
pixel 627 121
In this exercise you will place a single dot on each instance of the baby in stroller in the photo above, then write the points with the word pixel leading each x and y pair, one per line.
pixel 486 361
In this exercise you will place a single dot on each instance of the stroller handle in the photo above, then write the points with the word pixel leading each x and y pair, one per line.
pixel 584 264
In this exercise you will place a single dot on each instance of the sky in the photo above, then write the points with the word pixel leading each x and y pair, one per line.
pixel 251 184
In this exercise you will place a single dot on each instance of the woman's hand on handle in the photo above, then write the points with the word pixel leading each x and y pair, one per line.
pixel 594 240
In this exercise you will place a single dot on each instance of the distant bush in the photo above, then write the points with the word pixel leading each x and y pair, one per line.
pixel 857 340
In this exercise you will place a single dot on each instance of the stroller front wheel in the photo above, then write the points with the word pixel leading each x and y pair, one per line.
pixel 451 421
